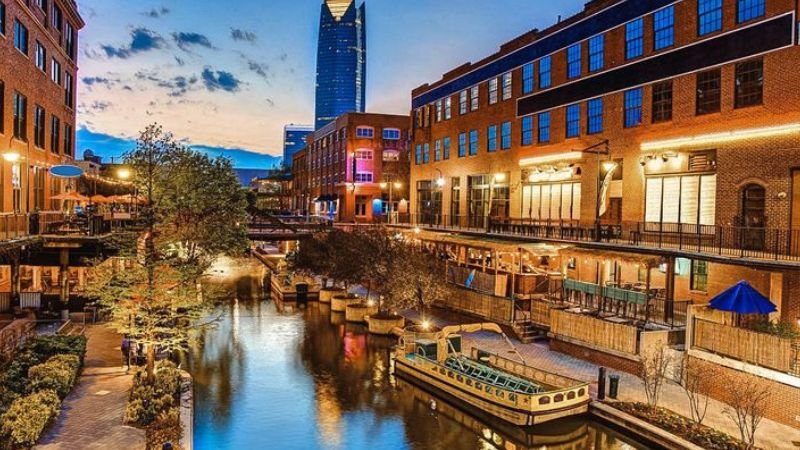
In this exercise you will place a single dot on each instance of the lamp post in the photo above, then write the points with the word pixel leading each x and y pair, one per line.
pixel 391 186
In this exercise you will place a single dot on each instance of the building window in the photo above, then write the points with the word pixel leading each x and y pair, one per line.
pixel 574 61
pixel 634 39
pixel 41 57
pixel 58 18
pixel 573 121
pixel 462 145
pixel 69 95
pixel 597 46
pixel 363 177
pixel 527 78
pixel 55 136
pixel 709 16
pixel 417 155
pixel 391 134
pixel 38 126
pixel 69 40
pixel 474 96
pixel 687 199
pixel 491 138
pixel 662 101
pixel 39 174
pixel 462 102
pixel 527 130
pixel 505 135
pixel 699 278
pixel 544 127
pixel 20 37
pixel 708 92
pixel 749 9
pixel 664 28
pixel 69 136
pixel 448 108
pixel 20 116
pixel 749 83
pixel 439 111
pixel 2 18
pixel 55 72
pixel 493 91
pixel 559 201
pixel 455 197
pixel 365 132
pixel 473 142
pixel 437 150
pixel 507 85
pixel 2 115
pixel 446 149
pixel 545 68
pixel 633 107
pixel 594 116
pixel 364 155
pixel 426 153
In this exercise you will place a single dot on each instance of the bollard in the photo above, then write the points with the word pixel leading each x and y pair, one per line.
pixel 613 386
pixel 601 384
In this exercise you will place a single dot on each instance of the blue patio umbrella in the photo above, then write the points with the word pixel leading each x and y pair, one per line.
pixel 742 298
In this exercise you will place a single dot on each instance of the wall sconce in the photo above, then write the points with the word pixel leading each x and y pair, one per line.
pixel 440 182
pixel 782 195
pixel 667 156
pixel 499 177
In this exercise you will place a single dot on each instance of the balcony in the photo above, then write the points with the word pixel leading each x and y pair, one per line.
pixel 20 227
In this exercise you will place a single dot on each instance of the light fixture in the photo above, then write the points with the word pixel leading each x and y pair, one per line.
pixel 123 174
pixel 728 136
pixel 558 157
pixel 440 182
pixel 499 177
pixel 608 166
pixel 398 185
pixel 11 157
pixel 384 185
pixel 426 325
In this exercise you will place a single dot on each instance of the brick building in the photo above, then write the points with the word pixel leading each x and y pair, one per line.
pixel 39 45
pixel 355 164
pixel 632 121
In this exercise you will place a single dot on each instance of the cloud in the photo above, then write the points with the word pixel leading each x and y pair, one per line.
pixel 259 69
pixel 142 40
pixel 155 13
pixel 187 40
pixel 92 81
pixel 220 80
pixel 178 86
pixel 243 35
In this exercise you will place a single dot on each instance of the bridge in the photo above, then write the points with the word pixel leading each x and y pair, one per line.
pixel 268 227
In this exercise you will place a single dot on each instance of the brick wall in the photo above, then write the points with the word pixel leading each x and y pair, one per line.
pixel 595 357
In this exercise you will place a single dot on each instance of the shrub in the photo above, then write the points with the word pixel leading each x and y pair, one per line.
pixel 48 346
pixel 58 374
pixel 37 351
pixel 149 399
pixel 27 418
pixel 166 428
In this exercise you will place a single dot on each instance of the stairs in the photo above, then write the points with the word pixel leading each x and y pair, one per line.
pixel 527 332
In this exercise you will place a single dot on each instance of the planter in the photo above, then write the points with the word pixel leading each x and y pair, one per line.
pixel 356 312
pixel 339 302
pixel 325 295
pixel 383 325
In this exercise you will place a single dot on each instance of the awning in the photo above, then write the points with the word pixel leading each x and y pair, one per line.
pixel 326 198
pixel 743 299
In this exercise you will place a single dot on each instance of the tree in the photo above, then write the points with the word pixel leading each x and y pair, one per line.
pixel 698 380
pixel 748 399
pixel 417 280
pixel 653 372
pixel 381 253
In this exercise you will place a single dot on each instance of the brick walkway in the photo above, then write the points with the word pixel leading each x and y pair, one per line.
pixel 91 416
pixel 771 435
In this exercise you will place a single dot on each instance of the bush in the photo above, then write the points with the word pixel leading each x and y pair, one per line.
pixel 149 399
pixel 58 374
pixel 166 428
pixel 37 351
pixel 27 418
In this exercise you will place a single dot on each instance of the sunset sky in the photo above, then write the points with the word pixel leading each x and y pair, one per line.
pixel 226 76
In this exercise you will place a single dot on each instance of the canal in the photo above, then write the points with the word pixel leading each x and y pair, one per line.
pixel 277 378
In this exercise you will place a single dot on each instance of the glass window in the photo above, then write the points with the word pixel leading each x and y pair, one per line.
pixel 527 130
pixel 462 145
pixel 493 91
pixel 545 67
pixel 544 127
pixel 527 78
pixel 446 148
pixel 448 108
pixel 507 84
pixel 69 139
pixel 749 9
pixel 473 142
pixel 69 96
pixel 69 40
pixel 365 132
pixel 561 201
pixel 594 116
pixel 2 18
pixel 574 61
pixel 363 177
pixel 634 39
pixel 664 28
pixel 597 46
pixel 633 107
pixel 20 37
pixel 20 116
pixel 364 155
pixel 662 101
pixel 55 72
pixel 426 153
pixel 573 125
pixel 491 138
pixel 462 102
pixel 391 134
pixel 437 155
pixel 505 138
pixel 689 199
pixel 41 57
pixel 439 111
pixel 38 126
pixel 474 96
pixel 709 16
pixel 455 198
pixel 55 137
pixel 749 83
pixel 699 278
pixel 418 154
pixel 708 92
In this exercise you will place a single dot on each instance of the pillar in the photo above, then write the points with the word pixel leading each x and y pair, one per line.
pixel 15 280
pixel 669 301
pixel 63 275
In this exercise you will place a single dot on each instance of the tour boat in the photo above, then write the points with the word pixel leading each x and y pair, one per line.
pixel 503 388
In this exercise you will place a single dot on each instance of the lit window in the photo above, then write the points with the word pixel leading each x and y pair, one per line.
pixel 594 116
pixel 448 108
pixel 439 111
pixel 634 39
pixel 491 138
pixel 391 134
pixel 597 46
pixel 493 91
pixel 437 154
pixel 505 138
pixel 527 130
pixel 544 127
pixel 473 142
pixel 507 83
pixel 474 95
pixel 749 9
pixel 664 28
pixel 573 125
pixel 709 16
pixel 574 61
pixel 462 102
pixel 364 155
pixel 446 149
pixel 544 72
pixel 365 132
pixel 462 145
pixel 633 107
pixel 527 78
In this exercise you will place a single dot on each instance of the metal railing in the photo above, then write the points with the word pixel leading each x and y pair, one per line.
pixel 54 223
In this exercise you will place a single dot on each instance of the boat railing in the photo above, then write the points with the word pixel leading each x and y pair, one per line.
pixel 559 382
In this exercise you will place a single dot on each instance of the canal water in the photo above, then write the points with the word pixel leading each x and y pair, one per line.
pixel 271 377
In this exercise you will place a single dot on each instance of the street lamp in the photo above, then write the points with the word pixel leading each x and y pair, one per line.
pixel 440 181
pixel 391 186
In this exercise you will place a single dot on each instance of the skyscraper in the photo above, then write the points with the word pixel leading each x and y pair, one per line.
pixel 341 60
pixel 294 140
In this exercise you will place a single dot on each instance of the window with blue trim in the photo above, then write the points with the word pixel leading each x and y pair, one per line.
pixel 426 153
pixel 634 39
pixel 664 28
pixel 597 46
pixel 709 16
pixel 473 142
pixel 573 125
pixel 574 61
pixel 594 116
pixel 505 138
pixel 749 9
pixel 544 127
pixel 462 145
pixel 437 155
pixel 446 150
pixel 527 78
pixel 418 155
pixel 545 68
pixel 527 130
pixel 491 138
pixel 633 107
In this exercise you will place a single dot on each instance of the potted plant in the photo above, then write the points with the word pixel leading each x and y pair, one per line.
pixel 356 312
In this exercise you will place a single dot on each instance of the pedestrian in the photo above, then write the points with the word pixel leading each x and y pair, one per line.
pixel 126 349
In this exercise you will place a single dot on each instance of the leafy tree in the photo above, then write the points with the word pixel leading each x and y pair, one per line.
pixel 417 280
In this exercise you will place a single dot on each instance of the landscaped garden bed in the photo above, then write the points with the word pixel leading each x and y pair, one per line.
pixel 154 405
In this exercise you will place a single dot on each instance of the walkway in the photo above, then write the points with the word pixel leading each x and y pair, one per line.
pixel 771 435
pixel 91 416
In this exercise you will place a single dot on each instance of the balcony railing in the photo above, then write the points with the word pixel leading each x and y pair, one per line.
pixel 55 223
pixel 721 240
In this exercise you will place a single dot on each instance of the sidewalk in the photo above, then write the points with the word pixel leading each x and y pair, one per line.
pixel 770 436
pixel 91 416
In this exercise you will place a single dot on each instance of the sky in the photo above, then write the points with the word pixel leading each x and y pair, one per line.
pixel 226 76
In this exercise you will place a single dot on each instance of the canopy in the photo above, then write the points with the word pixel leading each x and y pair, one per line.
pixel 100 199
pixel 743 299
pixel 74 196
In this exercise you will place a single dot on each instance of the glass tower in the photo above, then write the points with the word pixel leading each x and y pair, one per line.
pixel 341 60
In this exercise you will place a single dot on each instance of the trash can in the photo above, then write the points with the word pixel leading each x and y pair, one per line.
pixel 613 386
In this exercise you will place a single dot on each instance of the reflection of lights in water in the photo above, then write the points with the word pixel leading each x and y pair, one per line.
pixel 329 416
pixel 235 320
pixel 355 346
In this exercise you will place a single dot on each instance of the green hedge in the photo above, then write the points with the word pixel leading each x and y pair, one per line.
pixel 37 351
pixel 58 374
pixel 149 399
pixel 27 418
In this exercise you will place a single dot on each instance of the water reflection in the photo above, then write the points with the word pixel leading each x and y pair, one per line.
pixel 282 378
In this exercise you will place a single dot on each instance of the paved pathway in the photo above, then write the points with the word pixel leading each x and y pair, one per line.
pixel 91 416
pixel 771 435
